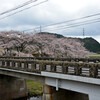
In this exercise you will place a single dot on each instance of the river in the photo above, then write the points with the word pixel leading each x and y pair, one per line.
pixel 35 98
pixel 31 98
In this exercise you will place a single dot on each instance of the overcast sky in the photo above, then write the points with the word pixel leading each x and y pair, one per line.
pixel 50 12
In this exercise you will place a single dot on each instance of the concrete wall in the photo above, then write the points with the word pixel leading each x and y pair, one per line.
pixel 11 88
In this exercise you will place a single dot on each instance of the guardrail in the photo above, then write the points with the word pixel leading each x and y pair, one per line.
pixel 63 67
pixel 90 60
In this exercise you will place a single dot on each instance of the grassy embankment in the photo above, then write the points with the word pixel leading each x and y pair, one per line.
pixel 95 56
pixel 34 88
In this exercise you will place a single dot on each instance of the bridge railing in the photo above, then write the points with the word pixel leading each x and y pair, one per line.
pixel 62 67
pixel 90 60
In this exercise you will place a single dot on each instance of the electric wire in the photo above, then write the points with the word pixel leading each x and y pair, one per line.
pixel 23 9
pixel 76 25
pixel 60 26
pixel 19 6
pixel 66 25
pixel 72 20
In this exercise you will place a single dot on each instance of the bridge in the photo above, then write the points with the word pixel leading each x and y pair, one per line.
pixel 71 78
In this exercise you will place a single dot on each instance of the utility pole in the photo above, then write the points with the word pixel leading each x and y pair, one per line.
pixel 40 29
pixel 83 32
pixel 23 32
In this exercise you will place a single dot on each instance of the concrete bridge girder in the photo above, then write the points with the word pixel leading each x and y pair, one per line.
pixel 89 86
pixel 92 91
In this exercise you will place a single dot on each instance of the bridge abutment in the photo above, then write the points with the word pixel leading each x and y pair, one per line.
pixel 12 88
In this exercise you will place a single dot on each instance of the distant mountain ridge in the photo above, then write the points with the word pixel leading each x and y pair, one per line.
pixel 91 44
pixel 57 35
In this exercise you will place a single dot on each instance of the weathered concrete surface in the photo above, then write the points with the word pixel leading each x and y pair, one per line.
pixel 68 95
pixel 50 93
pixel 23 74
pixel 11 88
pixel 92 90
pixel 47 93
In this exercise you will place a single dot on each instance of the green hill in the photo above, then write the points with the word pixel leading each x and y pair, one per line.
pixel 91 44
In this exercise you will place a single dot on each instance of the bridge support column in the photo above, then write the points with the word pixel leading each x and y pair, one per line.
pixel 50 93
pixel 47 92
pixel 12 88
pixel 94 96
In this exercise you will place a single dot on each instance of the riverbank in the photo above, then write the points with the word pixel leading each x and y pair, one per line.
pixel 95 56
pixel 34 88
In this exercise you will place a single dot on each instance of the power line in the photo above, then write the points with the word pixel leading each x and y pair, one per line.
pixel 68 25
pixel 19 6
pixel 76 25
pixel 54 24
pixel 63 22
pixel 23 9
pixel 89 16
pixel 60 26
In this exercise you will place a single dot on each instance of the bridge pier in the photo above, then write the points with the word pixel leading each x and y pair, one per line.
pixel 93 97
pixel 50 93
pixel 12 88
pixel 47 92
pixel 95 94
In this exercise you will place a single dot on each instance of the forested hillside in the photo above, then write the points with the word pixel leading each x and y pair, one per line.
pixel 91 44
